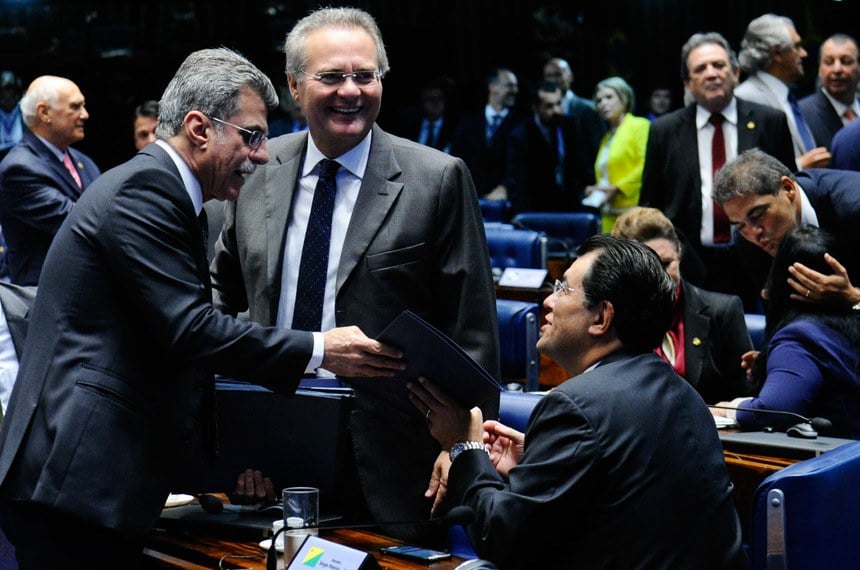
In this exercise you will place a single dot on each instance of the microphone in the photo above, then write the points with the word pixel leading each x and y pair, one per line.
pixel 808 428
pixel 458 515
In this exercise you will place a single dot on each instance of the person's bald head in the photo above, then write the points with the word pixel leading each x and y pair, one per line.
pixel 54 109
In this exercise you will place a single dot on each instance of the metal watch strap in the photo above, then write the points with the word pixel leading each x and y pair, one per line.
pixel 462 446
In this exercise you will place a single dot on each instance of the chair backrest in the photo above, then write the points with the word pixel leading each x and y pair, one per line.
pixel 515 408
pixel 572 228
pixel 516 248
pixel 495 210
pixel 755 324
pixel 806 515
pixel 518 333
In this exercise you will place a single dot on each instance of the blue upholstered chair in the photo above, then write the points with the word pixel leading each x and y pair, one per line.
pixel 565 230
pixel 805 516
pixel 516 248
pixel 755 324
pixel 518 333
pixel 495 210
pixel 515 408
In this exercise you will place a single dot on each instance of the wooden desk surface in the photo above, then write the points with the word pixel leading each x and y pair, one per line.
pixel 203 548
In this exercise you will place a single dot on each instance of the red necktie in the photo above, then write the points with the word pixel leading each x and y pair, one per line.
pixel 67 162
pixel 849 114
pixel 722 229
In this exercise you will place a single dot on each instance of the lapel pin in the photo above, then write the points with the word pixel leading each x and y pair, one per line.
pixel 697 341
pixel 750 125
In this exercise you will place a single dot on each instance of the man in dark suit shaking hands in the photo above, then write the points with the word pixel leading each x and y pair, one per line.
pixel 123 338
pixel 405 232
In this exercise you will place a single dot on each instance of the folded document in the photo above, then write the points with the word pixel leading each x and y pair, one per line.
pixel 431 353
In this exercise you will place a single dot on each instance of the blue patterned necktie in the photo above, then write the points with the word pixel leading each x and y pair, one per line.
pixel 310 288
pixel 802 129
pixel 493 126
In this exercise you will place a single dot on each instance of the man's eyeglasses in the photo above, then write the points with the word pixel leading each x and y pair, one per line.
pixel 560 287
pixel 253 139
pixel 337 78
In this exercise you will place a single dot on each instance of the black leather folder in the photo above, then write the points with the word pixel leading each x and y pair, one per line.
pixel 430 352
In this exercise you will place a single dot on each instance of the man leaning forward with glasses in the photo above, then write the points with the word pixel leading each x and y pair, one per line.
pixel 123 338
pixel 405 233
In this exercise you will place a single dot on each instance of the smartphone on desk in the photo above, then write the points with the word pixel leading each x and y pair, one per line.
pixel 415 553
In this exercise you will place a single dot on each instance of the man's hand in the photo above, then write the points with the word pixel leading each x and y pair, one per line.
pixel 748 360
pixel 438 486
pixel 834 290
pixel 816 158
pixel 448 421
pixel 252 488
pixel 506 445
pixel 349 353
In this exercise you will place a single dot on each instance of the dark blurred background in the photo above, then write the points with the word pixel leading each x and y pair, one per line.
pixel 121 52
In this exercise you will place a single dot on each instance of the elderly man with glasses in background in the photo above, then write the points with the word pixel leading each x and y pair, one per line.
pixel 390 224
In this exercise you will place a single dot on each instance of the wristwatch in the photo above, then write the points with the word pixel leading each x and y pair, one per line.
pixel 462 446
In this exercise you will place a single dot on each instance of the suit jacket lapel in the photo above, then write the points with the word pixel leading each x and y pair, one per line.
pixel 17 319
pixel 375 198
pixel 695 327
pixel 690 160
pixel 66 183
pixel 749 131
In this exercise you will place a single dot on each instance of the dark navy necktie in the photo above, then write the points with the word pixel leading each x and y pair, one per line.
pixel 310 288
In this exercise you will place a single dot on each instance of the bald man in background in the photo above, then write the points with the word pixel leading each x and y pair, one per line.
pixel 42 176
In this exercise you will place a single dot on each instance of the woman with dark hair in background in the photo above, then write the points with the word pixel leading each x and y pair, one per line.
pixel 810 365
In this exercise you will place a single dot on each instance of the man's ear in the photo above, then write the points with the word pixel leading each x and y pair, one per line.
pixel 42 109
pixel 294 88
pixel 198 128
pixel 604 316
pixel 786 184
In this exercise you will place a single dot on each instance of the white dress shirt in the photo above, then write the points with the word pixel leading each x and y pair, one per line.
pixel 348 180
pixel 705 132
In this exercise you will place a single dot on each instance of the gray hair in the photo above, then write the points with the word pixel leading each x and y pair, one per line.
pixel 295 46
pixel 39 91
pixel 752 172
pixel 700 39
pixel 625 92
pixel 763 35
pixel 210 81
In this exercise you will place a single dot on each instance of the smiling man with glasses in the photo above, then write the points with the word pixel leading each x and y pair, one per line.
pixel 390 224
pixel 764 200
pixel 623 445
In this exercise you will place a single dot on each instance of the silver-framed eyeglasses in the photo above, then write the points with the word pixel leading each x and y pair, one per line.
pixel 253 139
pixel 560 287
pixel 338 78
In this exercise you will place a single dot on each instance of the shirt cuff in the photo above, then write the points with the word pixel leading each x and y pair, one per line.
pixel 318 353
pixel 733 414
